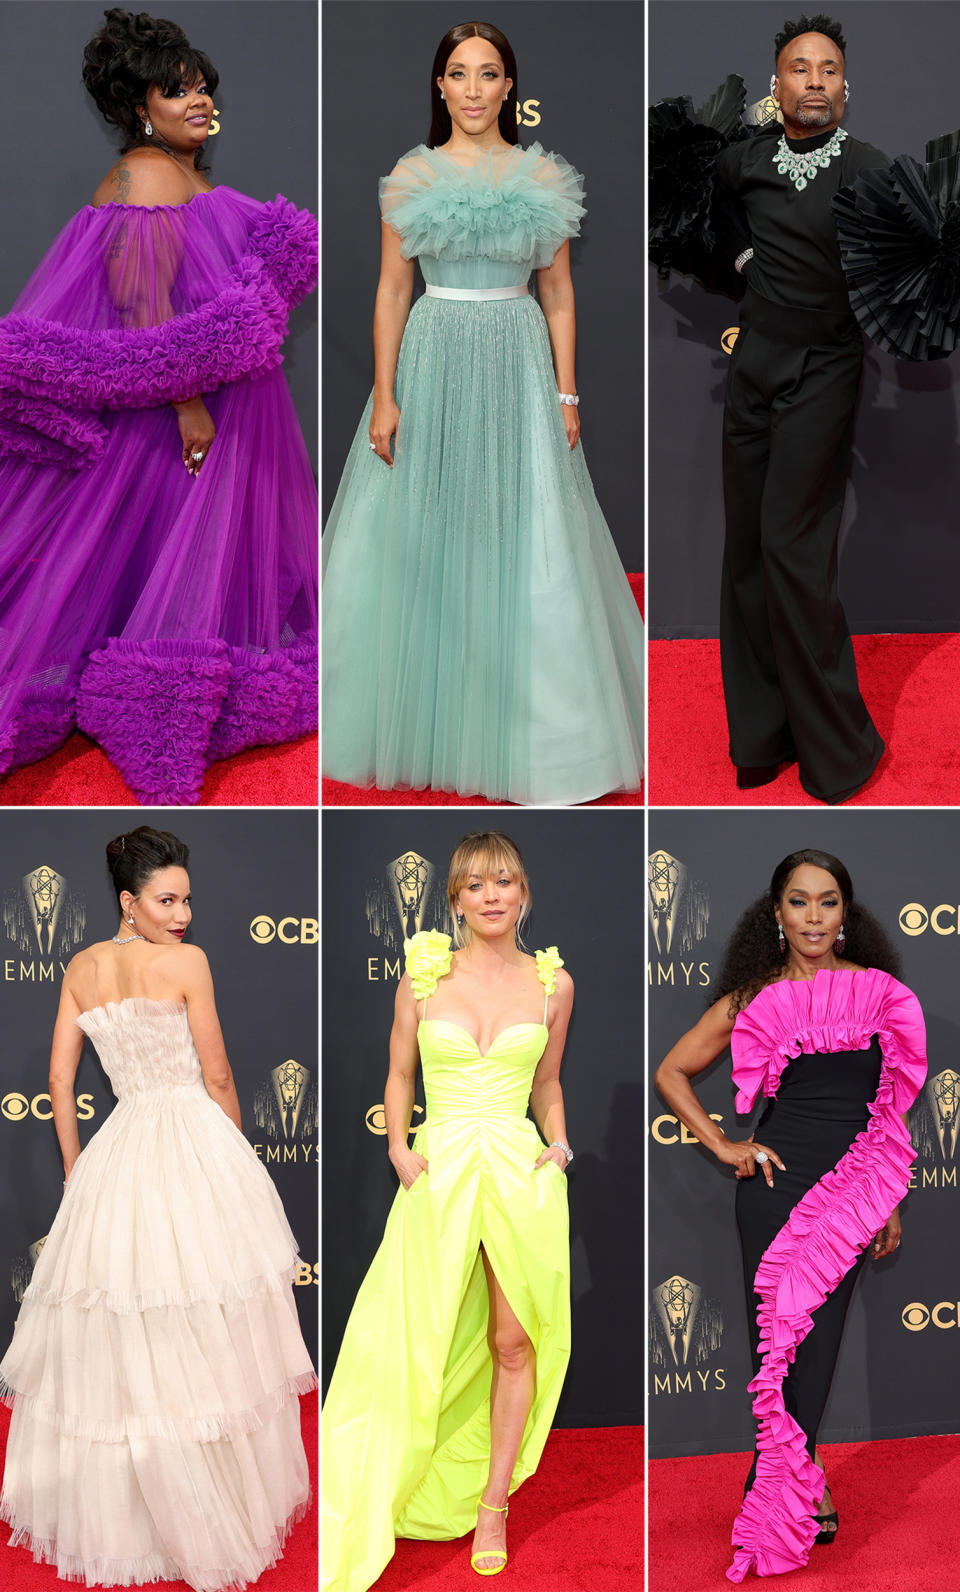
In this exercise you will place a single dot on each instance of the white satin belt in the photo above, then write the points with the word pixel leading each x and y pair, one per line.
pixel 477 293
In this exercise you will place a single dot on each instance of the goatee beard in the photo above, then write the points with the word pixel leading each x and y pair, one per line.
pixel 813 117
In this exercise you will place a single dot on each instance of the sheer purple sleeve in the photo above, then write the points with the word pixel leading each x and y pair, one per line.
pixel 134 307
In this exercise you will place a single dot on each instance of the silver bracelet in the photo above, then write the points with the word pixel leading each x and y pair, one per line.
pixel 742 259
pixel 561 1144
pixel 569 398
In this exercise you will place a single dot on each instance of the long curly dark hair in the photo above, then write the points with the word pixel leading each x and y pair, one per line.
pixel 132 52
pixel 440 124
pixel 752 957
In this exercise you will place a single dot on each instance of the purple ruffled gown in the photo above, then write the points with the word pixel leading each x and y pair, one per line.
pixel 171 618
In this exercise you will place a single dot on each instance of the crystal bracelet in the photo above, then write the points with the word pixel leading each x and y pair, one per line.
pixel 742 259
pixel 560 1144
pixel 569 398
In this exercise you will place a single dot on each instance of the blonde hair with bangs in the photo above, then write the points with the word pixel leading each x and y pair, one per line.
pixel 484 854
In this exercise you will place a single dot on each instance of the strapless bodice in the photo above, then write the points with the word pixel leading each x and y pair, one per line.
pixel 459 1081
pixel 144 1045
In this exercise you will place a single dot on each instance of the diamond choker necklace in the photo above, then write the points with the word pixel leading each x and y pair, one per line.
pixel 802 167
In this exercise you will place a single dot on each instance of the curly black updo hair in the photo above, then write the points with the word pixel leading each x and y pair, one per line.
pixel 134 858
pixel 753 958
pixel 131 52
pixel 815 24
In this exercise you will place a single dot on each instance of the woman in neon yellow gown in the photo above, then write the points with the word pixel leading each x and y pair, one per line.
pixel 455 1351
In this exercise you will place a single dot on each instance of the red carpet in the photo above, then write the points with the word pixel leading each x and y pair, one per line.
pixel 576 1526
pixel 295 1572
pixel 336 794
pixel 80 775
pixel 910 684
pixel 897 1503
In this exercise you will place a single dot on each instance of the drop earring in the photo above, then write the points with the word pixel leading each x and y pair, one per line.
pixel 840 941
pixel 459 918
pixel 782 941
pixel 148 128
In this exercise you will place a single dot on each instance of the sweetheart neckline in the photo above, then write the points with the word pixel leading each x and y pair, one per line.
pixel 483 1054
pixel 172 1008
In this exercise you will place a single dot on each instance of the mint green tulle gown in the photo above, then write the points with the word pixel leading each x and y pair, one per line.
pixel 479 633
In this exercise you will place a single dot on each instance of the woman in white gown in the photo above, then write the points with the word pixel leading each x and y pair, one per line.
pixel 157 1359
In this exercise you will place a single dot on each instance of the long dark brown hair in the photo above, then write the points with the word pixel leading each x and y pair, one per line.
pixel 440 123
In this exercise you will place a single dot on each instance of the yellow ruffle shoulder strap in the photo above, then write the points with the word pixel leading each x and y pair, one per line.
pixel 547 963
pixel 428 960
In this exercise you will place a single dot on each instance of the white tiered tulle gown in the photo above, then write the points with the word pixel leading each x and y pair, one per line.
pixel 157 1358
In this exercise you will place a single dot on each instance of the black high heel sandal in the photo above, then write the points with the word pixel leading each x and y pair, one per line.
pixel 824 1538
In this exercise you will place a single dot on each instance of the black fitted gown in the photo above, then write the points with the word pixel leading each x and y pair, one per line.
pixel 820 1108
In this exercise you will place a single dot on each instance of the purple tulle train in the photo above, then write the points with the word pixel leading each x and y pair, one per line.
pixel 171 618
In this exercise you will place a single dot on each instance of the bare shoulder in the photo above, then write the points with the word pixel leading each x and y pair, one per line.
pixel 191 960
pixel 564 984
pixel 145 177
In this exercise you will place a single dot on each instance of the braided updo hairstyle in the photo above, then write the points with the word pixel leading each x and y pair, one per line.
pixel 131 52
pixel 134 858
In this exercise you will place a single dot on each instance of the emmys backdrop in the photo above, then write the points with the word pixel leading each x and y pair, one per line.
pixel 899 554
pixel 384 877
pixel 579 91
pixel 266 140
pixel 254 914
pixel 896 1373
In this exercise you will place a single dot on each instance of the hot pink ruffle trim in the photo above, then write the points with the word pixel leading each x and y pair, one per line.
pixel 825 1232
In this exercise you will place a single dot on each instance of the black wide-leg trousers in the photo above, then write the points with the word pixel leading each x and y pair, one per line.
pixel 789 676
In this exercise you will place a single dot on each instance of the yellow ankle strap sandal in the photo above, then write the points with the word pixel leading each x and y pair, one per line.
pixel 490 1553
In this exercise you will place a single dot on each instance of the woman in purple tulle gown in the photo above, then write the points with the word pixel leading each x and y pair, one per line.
pixel 158 521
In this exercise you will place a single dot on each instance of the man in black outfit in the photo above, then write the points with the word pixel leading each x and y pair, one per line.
pixel 789 676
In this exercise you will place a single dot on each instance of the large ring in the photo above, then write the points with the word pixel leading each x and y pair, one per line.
pixel 372 446
pixel 196 456
pixel 761 1157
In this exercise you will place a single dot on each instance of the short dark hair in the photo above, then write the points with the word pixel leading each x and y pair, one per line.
pixel 134 858
pixel 131 52
pixel 815 24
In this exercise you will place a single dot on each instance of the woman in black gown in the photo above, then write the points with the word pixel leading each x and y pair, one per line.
pixel 816 1019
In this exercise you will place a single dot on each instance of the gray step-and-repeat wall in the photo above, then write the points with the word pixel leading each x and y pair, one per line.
pixel 571 101
pixel 900 551
pixel 266 54
pixel 255 915
pixel 385 870
pixel 896 1374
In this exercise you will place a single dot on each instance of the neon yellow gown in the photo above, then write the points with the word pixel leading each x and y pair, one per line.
pixel 406 1436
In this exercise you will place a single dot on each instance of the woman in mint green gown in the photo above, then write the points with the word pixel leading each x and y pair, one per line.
pixel 480 635
pixel 454 1355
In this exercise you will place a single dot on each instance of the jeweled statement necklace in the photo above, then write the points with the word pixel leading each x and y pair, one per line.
pixel 801 167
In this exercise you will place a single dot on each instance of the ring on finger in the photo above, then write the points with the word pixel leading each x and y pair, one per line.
pixel 372 446
pixel 762 1157
pixel 196 457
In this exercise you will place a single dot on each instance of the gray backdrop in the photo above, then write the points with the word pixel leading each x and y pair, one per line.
pixel 587 112
pixel 254 901
pixel 896 1371
pixel 899 564
pixel 574 867
pixel 266 54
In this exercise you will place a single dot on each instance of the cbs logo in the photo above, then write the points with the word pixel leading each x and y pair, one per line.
pixel 528 114
pixel 377 1122
pixel 16 1107
pixel 729 338
pixel 291 931
pixel 916 1316
pixel 670 1130
pixel 914 918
